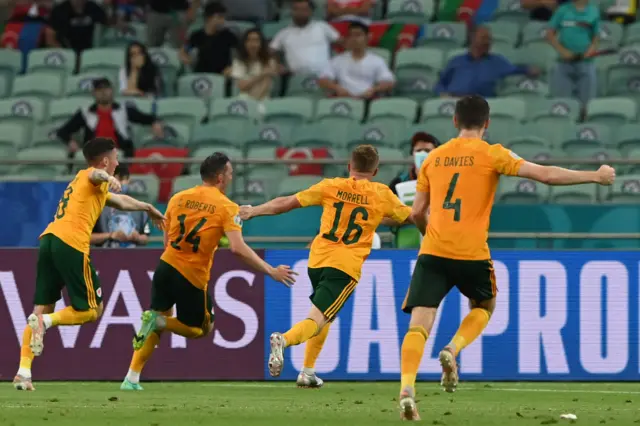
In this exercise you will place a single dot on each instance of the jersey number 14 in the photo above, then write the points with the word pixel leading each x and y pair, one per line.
pixel 192 236
pixel 455 205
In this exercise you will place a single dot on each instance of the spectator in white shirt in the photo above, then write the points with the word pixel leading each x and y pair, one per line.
pixel 254 70
pixel 357 73
pixel 306 43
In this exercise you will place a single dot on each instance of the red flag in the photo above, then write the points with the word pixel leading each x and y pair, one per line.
pixel 166 172
pixel 304 153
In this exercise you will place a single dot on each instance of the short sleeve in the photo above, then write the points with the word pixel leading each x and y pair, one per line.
pixel 194 40
pixel 596 22
pixel 395 209
pixel 238 70
pixel 556 19
pixel 330 33
pixel 278 41
pixel 423 179
pixel 329 71
pixel 232 221
pixel 505 161
pixel 313 195
pixel 383 73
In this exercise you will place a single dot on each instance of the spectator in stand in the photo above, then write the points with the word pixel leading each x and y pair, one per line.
pixel 541 10
pixel 116 228
pixel 357 72
pixel 74 23
pixel 478 71
pixel 254 69
pixel 214 42
pixel 573 32
pixel 140 76
pixel 422 144
pixel 306 43
pixel 350 10
pixel 36 13
pixel 106 119
pixel 169 17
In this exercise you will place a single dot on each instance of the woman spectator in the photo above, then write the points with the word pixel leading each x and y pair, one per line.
pixel 254 69
pixel 139 76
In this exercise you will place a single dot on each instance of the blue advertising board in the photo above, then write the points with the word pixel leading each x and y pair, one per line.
pixel 561 315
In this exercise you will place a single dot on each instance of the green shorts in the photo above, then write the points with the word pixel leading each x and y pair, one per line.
pixel 60 265
pixel 331 289
pixel 434 276
pixel 170 287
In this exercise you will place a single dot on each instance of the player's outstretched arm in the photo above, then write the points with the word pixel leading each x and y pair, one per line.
pixel 126 203
pixel 552 175
pixel 99 176
pixel 282 273
pixel 274 207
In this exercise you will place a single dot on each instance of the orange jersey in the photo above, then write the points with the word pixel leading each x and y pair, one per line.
pixel 351 211
pixel 78 211
pixel 196 220
pixel 461 178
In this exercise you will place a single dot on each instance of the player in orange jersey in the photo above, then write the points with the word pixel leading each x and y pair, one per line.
pixel 197 219
pixel 63 257
pixel 458 181
pixel 352 209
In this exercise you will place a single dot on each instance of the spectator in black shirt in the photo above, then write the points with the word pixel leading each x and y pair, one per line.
pixel 169 17
pixel 214 43
pixel 74 22
pixel 140 76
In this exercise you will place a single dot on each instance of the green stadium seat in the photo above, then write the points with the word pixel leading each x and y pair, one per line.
pixel 383 53
pixel 610 35
pixel 288 110
pixel 386 172
pixel 295 184
pixel 44 136
pixel 238 108
pixel 206 150
pixel 444 35
pixel 62 61
pixel 632 34
pixel 305 86
pixel 231 133
pixel 593 135
pixel 82 84
pixel 523 87
pixel 625 190
pixel 240 27
pixel 450 54
pixel 143 104
pixel 98 60
pixel 507 107
pixel 539 54
pixel 176 133
pixel 247 198
pixel 515 190
pixel 622 80
pixel 407 237
pixel 202 86
pixel 270 29
pixel 380 134
pixel 416 72
pixel 145 187
pixel 8 151
pixel 533 149
pixel 340 107
pixel 41 153
pixel 24 109
pixel 167 60
pixel 511 11
pixel 602 154
pixel 410 11
pixel 321 135
pixel 10 62
pixel 182 183
pixel 264 179
pixel 44 85
pixel 613 111
pixel 121 37
pixel 555 134
pixel 16 134
pixel 402 109
pixel 415 84
pixel 63 109
pixel 434 108
pixel 270 135
pixel 627 137
pixel 534 31
pixel 633 153
pixel 504 32
pixel 501 130
pixel 6 81
pixel 574 194
pixel 189 111
pixel 549 112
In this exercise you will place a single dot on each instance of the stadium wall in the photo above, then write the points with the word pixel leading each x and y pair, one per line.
pixel 561 315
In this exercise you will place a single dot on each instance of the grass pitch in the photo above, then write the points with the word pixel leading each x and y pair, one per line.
pixel 351 404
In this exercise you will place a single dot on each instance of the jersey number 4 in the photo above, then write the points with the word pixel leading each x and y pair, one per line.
pixel 352 226
pixel 453 205
pixel 192 237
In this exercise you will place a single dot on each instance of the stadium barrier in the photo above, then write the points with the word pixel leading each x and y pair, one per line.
pixel 561 315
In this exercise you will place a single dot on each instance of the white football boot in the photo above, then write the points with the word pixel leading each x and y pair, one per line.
pixel 309 381
pixel 449 365
pixel 276 357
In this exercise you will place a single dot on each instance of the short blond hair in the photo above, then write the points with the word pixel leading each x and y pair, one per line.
pixel 365 159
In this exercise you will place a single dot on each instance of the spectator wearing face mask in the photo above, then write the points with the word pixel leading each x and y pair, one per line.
pixel 422 144
pixel 120 229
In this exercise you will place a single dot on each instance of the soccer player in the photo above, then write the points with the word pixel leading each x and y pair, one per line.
pixel 63 257
pixel 353 208
pixel 458 182
pixel 197 219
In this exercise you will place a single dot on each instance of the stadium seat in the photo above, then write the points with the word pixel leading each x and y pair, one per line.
pixel 610 35
pixel 201 85
pixel 288 110
pixel 206 150
pixel 166 59
pixel 514 190
pixel 511 11
pixel 574 194
pixel 415 84
pixel 240 27
pixel 632 34
pixel 62 61
pixel 507 107
pixel 44 85
pixel 622 80
pixel 320 134
pixel 182 183
pixel 416 72
pixel 43 136
pixel 383 53
pixel 340 107
pixel 386 172
pixel 380 134
pixel 523 87
pixel 177 133
pixel 504 32
pixel 410 11
pixel 433 108
pixel 15 134
pixel 633 153
pixel 625 190
pixel 41 153
pixel 10 62
pixel 444 35
pixel 62 109
pixel 501 130
pixel 232 133
pixel 538 54
pixel 304 86
pixel 145 187
pixel 294 184
pixel 25 109
pixel 8 151
pixel 407 237
pixel 264 179
pixel 534 31
pixel 450 54
pixel 186 110
pixel 402 109
pixel 532 149
pixel 121 37
pixel 6 81
pixel 549 112
pixel 82 84
pixel 587 135
pixel 98 60
pixel 270 29
pixel 270 135
pixel 244 109
pixel 555 133
pixel 613 111
pixel 143 104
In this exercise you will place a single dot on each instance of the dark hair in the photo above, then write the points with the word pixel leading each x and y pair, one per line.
pixel 214 8
pixel 311 4
pixel 356 25
pixel 212 166
pixel 424 137
pixel 122 170
pixel 97 148
pixel 100 83
pixel 149 77
pixel 472 112
pixel 263 53
pixel 365 159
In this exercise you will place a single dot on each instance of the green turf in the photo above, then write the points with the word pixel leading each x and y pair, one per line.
pixel 281 404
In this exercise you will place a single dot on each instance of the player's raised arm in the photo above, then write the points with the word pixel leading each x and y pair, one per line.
pixel 398 214
pixel 309 197
pixel 99 176
pixel 126 203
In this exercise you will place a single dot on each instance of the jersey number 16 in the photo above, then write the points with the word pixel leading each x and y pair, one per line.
pixel 352 226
